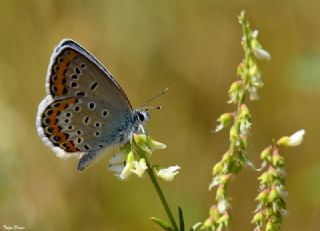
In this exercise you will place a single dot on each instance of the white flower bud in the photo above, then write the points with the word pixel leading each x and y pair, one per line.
pixel 168 174
pixel 293 140
pixel 297 138
pixel 255 34
pixel 261 54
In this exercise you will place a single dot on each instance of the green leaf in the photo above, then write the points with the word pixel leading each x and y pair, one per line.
pixel 162 223
pixel 196 226
pixel 181 221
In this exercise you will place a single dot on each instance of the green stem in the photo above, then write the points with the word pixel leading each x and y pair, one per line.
pixel 161 196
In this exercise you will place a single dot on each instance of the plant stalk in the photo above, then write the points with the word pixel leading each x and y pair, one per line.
pixel 161 196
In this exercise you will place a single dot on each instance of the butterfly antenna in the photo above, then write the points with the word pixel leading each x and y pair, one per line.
pixel 154 97
pixel 152 107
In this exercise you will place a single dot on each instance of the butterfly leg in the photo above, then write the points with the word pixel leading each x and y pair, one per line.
pixel 141 129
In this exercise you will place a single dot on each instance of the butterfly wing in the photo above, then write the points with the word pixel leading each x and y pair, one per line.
pixel 85 110
pixel 74 72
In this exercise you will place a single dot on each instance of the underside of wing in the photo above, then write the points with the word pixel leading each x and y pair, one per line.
pixel 85 110
pixel 81 125
pixel 74 72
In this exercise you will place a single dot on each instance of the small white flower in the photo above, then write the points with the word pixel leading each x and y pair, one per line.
pixel 255 34
pixel 234 91
pixel 126 171
pixel 224 120
pixel 245 126
pixel 197 226
pixel 215 181
pixel 293 140
pixel 248 163
pixel 168 174
pixel 282 192
pixel 223 205
pixel 297 138
pixel 254 95
pixel 139 167
pixel 156 145
pixel 262 54
pixel 219 127
pixel 122 164
pixel 256 80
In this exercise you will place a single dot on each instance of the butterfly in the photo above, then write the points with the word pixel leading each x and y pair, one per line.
pixel 85 110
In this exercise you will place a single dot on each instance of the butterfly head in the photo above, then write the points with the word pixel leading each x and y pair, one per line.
pixel 142 115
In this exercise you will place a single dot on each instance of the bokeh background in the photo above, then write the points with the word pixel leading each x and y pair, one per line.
pixel 192 47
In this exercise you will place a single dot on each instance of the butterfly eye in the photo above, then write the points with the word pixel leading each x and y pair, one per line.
pixel 140 116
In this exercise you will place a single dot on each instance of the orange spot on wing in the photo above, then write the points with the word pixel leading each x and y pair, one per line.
pixel 56 130
pixel 60 72
pixel 71 147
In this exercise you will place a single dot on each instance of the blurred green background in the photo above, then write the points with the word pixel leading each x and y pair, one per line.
pixel 192 47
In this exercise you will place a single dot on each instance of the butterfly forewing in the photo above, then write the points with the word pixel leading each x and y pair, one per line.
pixel 74 72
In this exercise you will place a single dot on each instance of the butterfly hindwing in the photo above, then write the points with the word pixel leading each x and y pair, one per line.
pixel 81 124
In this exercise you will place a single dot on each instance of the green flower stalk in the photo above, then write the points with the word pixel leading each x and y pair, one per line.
pixel 235 157
pixel 134 159
pixel 271 198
